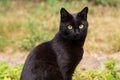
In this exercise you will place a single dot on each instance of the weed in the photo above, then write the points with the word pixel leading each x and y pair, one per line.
pixel 3 43
pixel 52 1
pixel 29 4
pixel 109 73
pixel 106 2
pixel 5 3
pixel 46 37
pixel 27 43
pixel 113 41
pixel 9 73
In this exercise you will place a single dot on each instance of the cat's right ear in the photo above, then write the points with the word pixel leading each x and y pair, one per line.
pixel 64 14
pixel 83 13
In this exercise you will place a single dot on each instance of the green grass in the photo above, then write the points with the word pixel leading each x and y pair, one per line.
pixel 109 73
pixel 9 73
pixel 3 43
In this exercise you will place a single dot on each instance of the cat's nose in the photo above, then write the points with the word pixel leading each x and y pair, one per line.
pixel 76 32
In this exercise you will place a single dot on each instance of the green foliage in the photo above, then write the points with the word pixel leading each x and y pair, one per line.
pixel 5 3
pixel 31 40
pixel 110 65
pixel 109 73
pixel 29 4
pixel 9 73
pixel 28 42
pixel 52 1
pixel 3 43
pixel 106 2
pixel 34 36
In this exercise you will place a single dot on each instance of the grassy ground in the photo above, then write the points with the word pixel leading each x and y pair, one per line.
pixel 22 27
pixel 109 73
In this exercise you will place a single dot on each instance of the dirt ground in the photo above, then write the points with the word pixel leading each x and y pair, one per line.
pixel 89 61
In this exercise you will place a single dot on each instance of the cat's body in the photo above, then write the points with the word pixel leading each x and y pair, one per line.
pixel 57 59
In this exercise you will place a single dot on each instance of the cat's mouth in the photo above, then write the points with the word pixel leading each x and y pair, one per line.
pixel 77 37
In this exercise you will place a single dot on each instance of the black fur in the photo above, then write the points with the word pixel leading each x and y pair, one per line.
pixel 57 59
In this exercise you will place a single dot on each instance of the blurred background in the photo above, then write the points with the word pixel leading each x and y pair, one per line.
pixel 27 23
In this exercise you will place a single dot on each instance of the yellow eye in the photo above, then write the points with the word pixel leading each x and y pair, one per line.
pixel 81 26
pixel 69 27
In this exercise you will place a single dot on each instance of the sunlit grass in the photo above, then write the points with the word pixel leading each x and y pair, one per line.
pixel 40 21
pixel 108 73
pixel 9 72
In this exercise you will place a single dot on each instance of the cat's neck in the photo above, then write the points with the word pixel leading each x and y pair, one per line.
pixel 73 43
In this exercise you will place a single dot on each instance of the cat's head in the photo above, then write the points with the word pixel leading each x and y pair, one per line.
pixel 73 26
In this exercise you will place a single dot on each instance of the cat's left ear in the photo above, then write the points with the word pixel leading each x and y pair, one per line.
pixel 83 12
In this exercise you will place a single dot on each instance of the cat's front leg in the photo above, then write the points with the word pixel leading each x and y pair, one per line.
pixel 68 77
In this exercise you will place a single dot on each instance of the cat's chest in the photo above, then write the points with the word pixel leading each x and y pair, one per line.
pixel 67 54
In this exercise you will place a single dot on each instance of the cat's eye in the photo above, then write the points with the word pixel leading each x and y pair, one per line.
pixel 69 27
pixel 81 26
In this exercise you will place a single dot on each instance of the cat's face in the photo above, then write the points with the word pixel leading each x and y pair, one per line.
pixel 73 26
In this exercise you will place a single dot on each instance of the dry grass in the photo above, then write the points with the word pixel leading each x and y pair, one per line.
pixel 41 21
pixel 103 26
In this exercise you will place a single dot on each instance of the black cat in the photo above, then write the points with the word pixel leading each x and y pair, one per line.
pixel 58 58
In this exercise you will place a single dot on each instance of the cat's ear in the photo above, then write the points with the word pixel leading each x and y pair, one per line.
pixel 83 12
pixel 64 14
